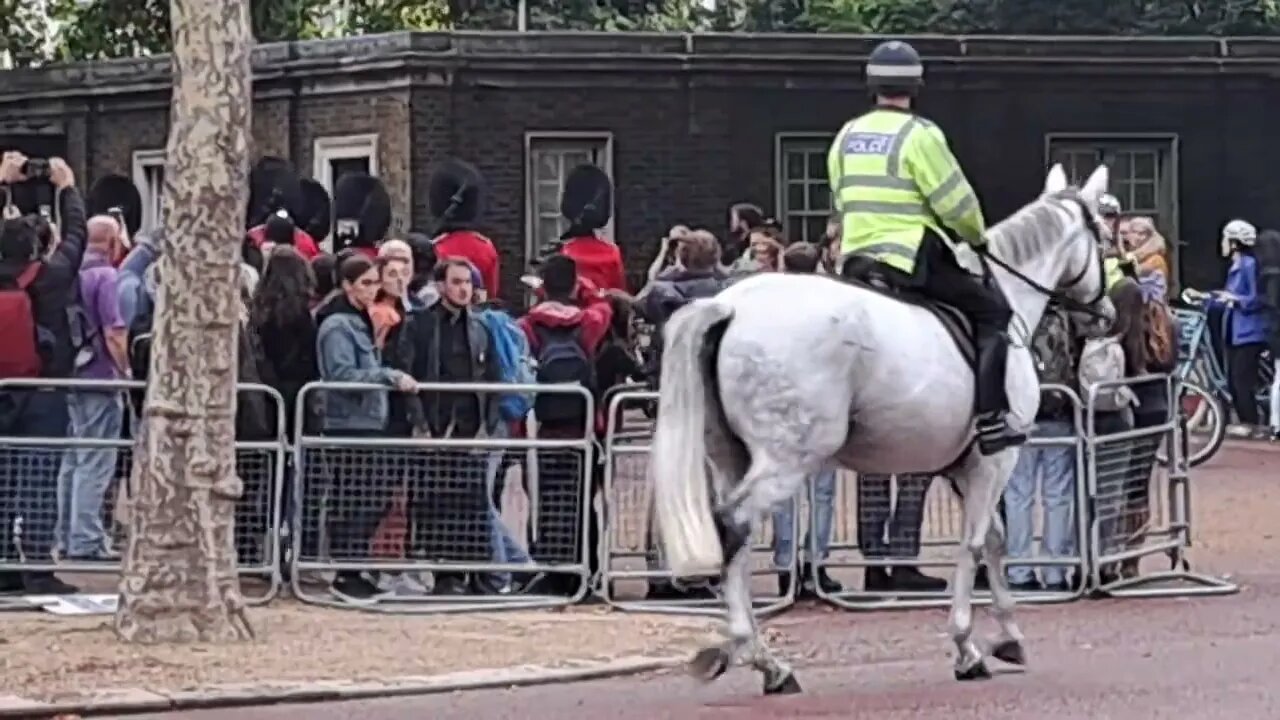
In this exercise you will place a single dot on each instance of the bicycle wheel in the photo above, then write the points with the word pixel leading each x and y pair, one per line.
pixel 1203 419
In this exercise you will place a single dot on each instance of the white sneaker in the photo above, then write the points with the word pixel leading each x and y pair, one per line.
pixel 1239 430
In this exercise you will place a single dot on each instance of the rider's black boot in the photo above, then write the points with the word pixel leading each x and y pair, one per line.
pixel 994 434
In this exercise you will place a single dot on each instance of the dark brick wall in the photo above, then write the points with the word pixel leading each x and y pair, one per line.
pixel 687 146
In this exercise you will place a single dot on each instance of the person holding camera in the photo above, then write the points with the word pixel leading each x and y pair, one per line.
pixel 40 257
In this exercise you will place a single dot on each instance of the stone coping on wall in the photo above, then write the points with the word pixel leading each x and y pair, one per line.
pixel 656 52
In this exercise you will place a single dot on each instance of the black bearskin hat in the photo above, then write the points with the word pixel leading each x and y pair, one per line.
pixel 456 193
pixel 361 211
pixel 317 210
pixel 116 192
pixel 273 185
pixel 587 200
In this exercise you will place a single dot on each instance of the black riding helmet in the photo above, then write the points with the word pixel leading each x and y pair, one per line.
pixel 894 69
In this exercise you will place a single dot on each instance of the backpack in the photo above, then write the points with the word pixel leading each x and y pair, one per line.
pixel 1103 361
pixel 1160 336
pixel 82 329
pixel 562 359
pixel 510 350
pixel 18 332
pixel 1053 351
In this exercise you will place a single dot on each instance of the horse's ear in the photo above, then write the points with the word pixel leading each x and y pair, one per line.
pixel 1056 181
pixel 1095 186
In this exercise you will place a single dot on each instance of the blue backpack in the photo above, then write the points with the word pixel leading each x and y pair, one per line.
pixel 510 349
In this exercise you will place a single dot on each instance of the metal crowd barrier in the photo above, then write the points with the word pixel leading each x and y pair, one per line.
pixel 1141 509
pixel 916 521
pixel 630 559
pixel 420 512
pixel 33 488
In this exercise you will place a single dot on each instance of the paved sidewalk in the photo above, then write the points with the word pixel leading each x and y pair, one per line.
pixel 305 650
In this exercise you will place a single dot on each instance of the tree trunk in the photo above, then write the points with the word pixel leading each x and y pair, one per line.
pixel 179 581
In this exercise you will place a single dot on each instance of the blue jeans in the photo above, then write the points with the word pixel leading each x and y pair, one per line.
pixel 1055 467
pixel 818 538
pixel 86 473
pixel 504 547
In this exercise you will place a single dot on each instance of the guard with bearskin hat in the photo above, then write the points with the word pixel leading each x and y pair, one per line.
pixel 277 204
pixel 457 200
pixel 587 203
pixel 361 214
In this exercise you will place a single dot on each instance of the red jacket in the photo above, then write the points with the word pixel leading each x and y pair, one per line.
pixel 598 260
pixel 476 249
pixel 302 242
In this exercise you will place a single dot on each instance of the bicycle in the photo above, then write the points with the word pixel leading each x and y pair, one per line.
pixel 1204 390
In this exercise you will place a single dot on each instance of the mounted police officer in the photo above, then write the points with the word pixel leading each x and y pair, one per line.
pixel 897 185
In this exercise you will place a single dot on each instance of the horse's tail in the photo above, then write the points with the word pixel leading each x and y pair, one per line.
pixel 688 400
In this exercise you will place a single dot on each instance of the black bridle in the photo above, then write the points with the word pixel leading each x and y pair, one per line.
pixel 1059 297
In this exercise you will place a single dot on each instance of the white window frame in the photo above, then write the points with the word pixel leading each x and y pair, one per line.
pixel 532 138
pixel 1166 147
pixel 143 160
pixel 342 147
pixel 782 212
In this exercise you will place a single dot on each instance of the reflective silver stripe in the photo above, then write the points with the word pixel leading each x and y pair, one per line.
pixel 895 71
pixel 967 204
pixel 942 191
pixel 893 165
pixel 877 181
pixel 887 248
pixel 883 208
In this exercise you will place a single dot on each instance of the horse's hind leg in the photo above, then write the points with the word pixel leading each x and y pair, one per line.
pixel 1008 644
pixel 760 489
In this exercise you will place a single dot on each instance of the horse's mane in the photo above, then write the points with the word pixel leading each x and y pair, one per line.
pixel 1032 229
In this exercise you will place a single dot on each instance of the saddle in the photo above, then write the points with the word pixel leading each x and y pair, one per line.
pixel 956 323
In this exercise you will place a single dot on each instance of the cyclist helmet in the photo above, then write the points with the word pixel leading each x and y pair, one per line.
pixel 1240 231
pixel 1108 206
pixel 894 68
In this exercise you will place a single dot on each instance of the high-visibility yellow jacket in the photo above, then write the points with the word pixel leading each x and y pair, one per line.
pixel 893 175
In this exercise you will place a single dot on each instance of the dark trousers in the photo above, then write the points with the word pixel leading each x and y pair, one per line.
pixel 449 510
pixel 1242 380
pixel 364 484
pixel 939 276
pixel 901 522
pixel 29 474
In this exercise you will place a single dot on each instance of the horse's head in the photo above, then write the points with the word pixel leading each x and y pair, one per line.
pixel 1081 288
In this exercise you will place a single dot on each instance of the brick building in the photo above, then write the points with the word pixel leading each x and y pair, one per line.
pixel 689 124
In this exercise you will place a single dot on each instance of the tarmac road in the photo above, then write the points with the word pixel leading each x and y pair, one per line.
pixel 1131 659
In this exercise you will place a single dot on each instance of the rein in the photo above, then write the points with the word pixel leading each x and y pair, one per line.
pixel 1059 297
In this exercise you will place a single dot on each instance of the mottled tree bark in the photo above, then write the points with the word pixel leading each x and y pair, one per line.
pixel 179 581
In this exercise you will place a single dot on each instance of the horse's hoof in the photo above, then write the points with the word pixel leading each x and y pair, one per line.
pixel 709 664
pixel 1010 651
pixel 976 671
pixel 788 686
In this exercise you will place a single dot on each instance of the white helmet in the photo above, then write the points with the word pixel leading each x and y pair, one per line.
pixel 1240 231
pixel 1108 205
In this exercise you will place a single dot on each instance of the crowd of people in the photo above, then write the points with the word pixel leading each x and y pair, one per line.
pixel 404 315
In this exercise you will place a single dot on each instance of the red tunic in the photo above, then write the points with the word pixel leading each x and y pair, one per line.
pixel 475 249
pixel 302 242
pixel 598 260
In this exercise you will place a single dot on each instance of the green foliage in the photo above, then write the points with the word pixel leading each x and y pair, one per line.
pixel 872 16
pixel 24 39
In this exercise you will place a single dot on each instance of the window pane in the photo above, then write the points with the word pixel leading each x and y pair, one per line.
pixel 795 197
pixel 794 166
pixel 548 230
pixel 347 166
pixel 1122 165
pixel 545 166
pixel 814 227
pixel 819 196
pixel 1144 197
pixel 574 158
pixel 1144 165
pixel 817 165
pixel 546 196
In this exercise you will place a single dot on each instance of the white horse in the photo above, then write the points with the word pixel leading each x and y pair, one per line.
pixel 779 374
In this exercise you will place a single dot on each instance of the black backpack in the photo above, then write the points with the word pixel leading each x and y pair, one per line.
pixel 562 359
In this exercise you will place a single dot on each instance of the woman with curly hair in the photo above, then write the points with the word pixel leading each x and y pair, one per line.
pixel 283 327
